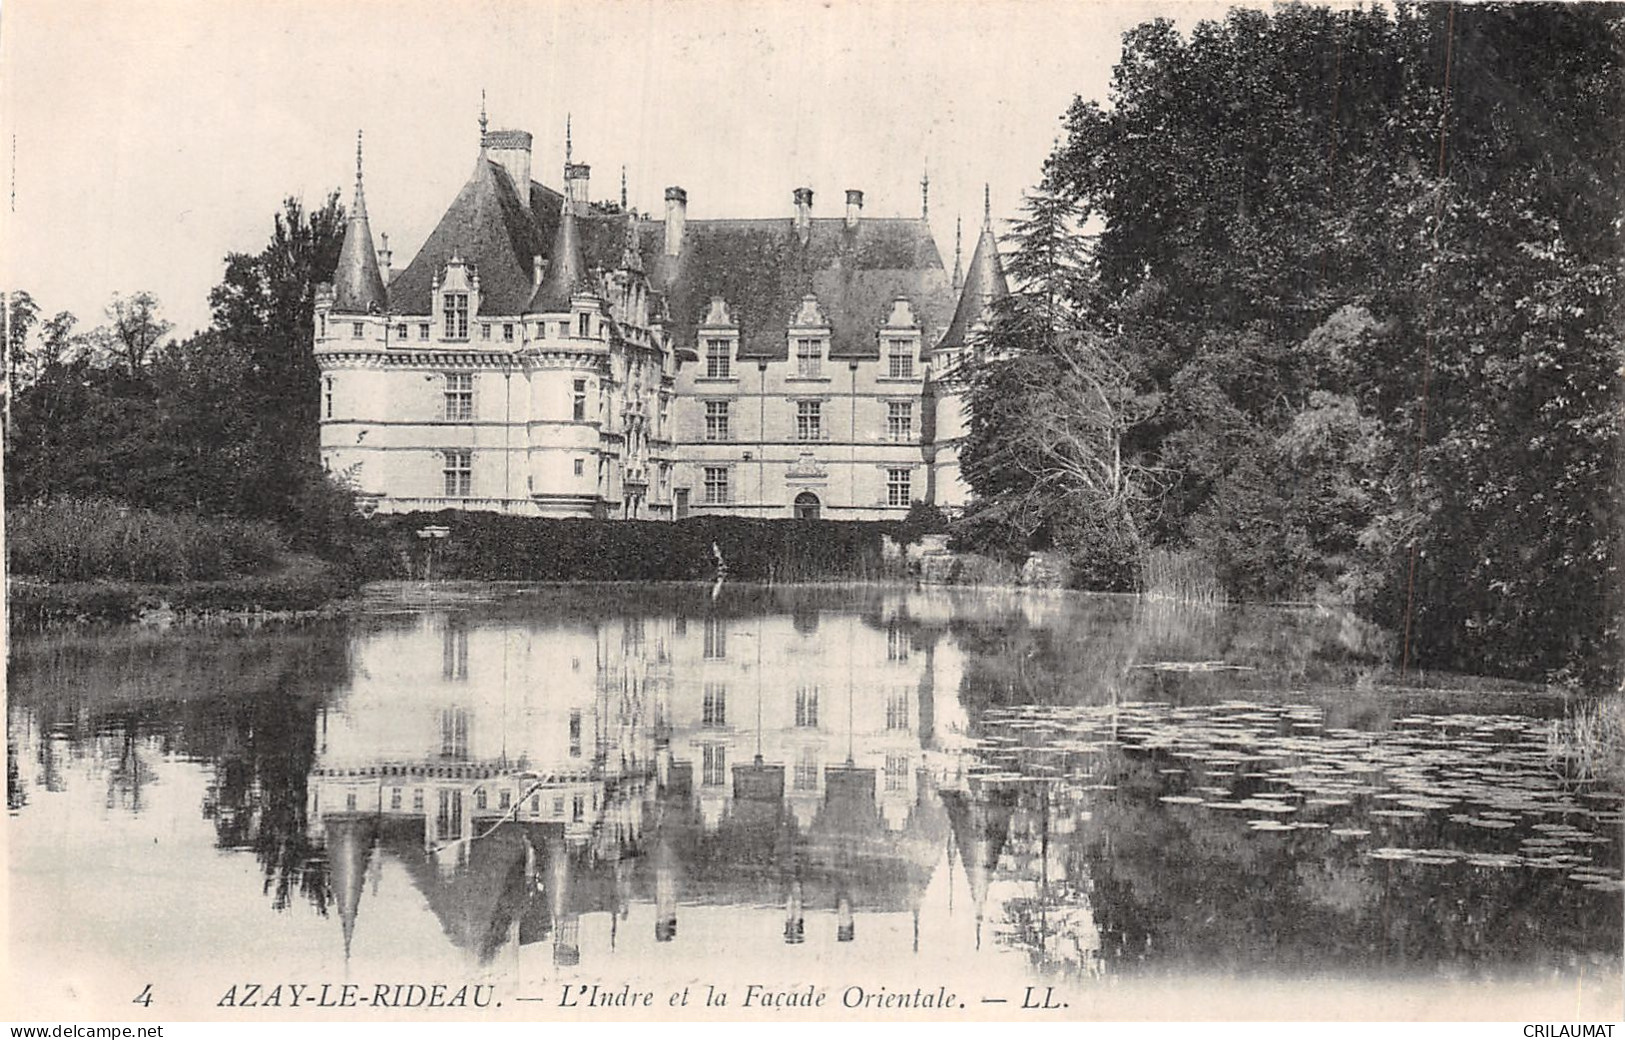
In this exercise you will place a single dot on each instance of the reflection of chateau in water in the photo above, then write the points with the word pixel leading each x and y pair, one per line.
pixel 527 776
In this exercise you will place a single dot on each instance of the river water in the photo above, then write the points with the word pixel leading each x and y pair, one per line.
pixel 984 798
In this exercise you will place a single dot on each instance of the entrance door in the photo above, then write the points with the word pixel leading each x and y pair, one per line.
pixel 807 506
pixel 682 503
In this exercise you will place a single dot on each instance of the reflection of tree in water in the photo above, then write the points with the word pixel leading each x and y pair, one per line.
pixel 16 789
pixel 263 744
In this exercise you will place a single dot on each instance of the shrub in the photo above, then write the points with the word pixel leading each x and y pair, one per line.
pixel 494 547
pixel 91 539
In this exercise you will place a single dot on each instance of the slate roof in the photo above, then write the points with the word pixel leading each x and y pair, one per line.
pixel 984 283
pixel 358 288
pixel 762 269
pixel 486 226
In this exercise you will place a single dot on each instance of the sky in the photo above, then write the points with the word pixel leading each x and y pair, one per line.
pixel 153 138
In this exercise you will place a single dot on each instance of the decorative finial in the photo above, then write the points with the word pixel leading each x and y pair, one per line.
pixel 623 186
pixel 566 138
pixel 925 195
pixel 358 160
pixel 482 117
pixel 987 204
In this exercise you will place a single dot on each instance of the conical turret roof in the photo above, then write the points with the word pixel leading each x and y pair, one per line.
pixel 358 287
pixel 567 271
pixel 984 286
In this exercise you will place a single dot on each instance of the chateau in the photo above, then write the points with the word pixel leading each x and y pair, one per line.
pixel 544 354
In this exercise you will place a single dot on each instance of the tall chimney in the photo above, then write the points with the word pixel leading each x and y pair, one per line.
pixel 676 218
pixel 511 148
pixel 384 257
pixel 854 207
pixel 803 212
pixel 575 186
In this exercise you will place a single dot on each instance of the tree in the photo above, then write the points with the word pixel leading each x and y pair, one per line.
pixel 1051 404
pixel 1370 260
pixel 134 331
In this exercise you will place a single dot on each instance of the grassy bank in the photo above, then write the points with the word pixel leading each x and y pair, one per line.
pixel 300 583
pixel 88 559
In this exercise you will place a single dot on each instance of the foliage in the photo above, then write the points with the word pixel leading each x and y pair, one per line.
pixel 85 539
pixel 494 547
pixel 222 422
pixel 1365 263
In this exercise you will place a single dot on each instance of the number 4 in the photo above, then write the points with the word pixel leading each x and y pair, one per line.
pixel 144 998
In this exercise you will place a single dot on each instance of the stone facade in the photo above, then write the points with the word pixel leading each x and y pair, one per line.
pixel 547 355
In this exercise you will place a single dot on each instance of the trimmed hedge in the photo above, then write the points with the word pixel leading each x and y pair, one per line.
pixel 494 547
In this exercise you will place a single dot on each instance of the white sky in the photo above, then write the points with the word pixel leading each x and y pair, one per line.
pixel 152 138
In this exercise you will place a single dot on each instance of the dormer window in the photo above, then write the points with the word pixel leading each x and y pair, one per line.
pixel 356 330
pixel 455 306
pixel 584 325
pixel 718 359
pixel 809 358
pixel 900 359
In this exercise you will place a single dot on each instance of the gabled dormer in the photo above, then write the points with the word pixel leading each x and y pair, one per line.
pixel 719 342
pixel 809 335
pixel 900 342
pixel 456 300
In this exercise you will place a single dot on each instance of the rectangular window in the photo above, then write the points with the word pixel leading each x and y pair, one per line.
pixel 454 731
pixel 485 330
pixel 455 311
pixel 809 358
pixel 459 392
pixel 507 332
pixel 897 487
pixel 897 643
pixel 459 473
pixel 714 765
pixel 395 799
pixel 665 415
pixel 809 420
pixel 807 706
pixel 417 799
pixel 505 800
pixel 454 655
pixel 896 772
pixel 322 323
pixel 716 639
pixel 449 820
pixel 899 420
pixel 575 734
pixel 900 359
pixel 327 398
pixel 423 330
pixel 480 799
pixel 578 808
pixel 400 331
pixel 718 359
pixel 578 403
pixel 716 420
pixel 897 709
pixel 807 770
pixel 349 802
pixel 581 467
pixel 356 330
pixel 583 325
pixel 716 485
pixel 714 711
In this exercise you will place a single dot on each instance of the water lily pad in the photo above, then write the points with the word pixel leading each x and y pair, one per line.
pixel 1350 832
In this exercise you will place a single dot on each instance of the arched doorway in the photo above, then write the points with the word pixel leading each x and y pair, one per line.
pixel 807 506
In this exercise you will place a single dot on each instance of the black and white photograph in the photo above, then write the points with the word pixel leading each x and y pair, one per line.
pixel 866 511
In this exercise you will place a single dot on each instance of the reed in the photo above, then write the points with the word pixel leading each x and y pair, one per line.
pixel 1589 742
pixel 1180 575
pixel 97 539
